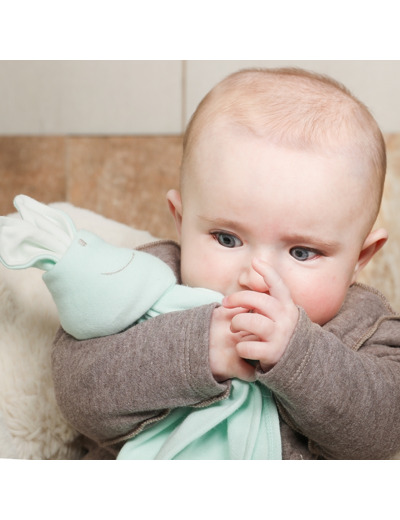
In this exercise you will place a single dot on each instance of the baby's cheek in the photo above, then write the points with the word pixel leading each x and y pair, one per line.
pixel 197 273
pixel 322 306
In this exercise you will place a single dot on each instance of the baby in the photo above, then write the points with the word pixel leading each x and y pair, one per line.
pixel 282 178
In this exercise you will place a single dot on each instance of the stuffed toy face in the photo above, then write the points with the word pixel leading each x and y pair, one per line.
pixel 99 289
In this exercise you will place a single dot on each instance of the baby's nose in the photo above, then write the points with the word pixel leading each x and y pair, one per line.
pixel 249 279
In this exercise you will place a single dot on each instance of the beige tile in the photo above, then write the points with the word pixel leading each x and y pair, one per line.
pixel 126 178
pixel 90 97
pixel 33 166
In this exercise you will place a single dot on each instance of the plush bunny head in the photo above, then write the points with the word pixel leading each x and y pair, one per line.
pixel 99 289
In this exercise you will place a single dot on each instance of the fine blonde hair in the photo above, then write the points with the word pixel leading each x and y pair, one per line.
pixel 295 108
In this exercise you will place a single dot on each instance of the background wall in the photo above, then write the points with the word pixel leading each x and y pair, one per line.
pixel 154 97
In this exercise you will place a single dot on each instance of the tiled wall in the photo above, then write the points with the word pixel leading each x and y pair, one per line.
pixel 90 97
pixel 123 178
pixel 154 97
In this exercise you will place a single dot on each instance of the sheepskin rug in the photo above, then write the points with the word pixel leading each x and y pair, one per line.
pixel 31 426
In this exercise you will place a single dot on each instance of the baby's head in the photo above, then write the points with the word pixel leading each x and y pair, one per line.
pixel 287 166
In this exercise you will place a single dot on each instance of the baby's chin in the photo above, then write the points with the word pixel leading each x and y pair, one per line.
pixel 322 318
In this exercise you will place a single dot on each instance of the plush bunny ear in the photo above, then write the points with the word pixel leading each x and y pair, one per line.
pixel 39 239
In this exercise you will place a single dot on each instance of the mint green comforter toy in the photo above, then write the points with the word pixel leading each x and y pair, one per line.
pixel 100 289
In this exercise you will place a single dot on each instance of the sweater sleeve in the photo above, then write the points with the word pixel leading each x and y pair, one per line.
pixel 109 387
pixel 343 396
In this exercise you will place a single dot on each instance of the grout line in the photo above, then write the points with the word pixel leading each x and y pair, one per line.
pixel 184 91
pixel 66 168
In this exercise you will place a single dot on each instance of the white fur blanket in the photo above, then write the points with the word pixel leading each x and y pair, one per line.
pixel 31 426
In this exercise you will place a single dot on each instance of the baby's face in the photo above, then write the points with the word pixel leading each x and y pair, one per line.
pixel 300 212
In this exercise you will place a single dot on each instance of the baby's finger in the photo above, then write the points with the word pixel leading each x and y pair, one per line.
pixel 267 353
pixel 276 286
pixel 254 324
pixel 246 372
pixel 254 301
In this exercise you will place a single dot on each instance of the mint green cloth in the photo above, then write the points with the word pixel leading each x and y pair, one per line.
pixel 245 426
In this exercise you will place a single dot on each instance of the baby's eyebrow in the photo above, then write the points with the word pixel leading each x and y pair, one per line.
pixel 222 222
pixel 314 240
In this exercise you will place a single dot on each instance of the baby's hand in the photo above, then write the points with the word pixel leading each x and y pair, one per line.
pixel 271 322
pixel 225 362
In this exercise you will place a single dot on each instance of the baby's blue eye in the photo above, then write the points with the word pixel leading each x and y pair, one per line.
pixel 227 240
pixel 302 253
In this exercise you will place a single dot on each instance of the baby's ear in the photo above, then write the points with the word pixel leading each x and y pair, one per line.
pixel 175 206
pixel 372 244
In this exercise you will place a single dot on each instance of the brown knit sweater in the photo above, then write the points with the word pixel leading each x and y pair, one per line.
pixel 337 387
